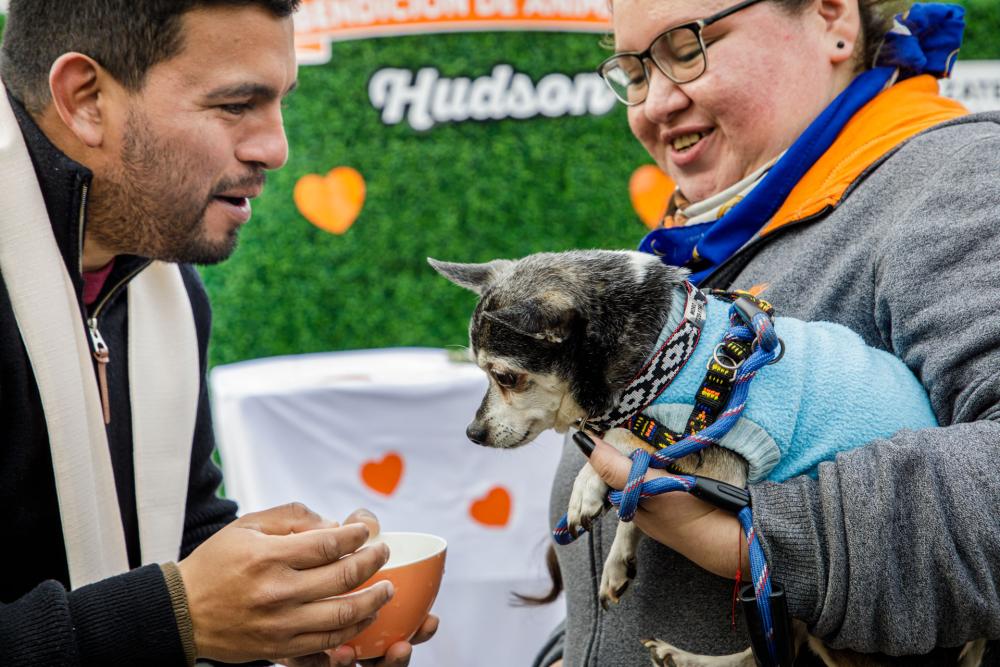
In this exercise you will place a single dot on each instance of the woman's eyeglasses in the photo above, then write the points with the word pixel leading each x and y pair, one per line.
pixel 679 53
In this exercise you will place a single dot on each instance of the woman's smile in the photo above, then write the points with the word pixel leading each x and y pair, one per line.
pixel 685 146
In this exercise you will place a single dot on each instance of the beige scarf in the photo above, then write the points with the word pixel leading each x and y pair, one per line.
pixel 163 377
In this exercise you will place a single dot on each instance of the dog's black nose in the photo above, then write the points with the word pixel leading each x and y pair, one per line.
pixel 477 433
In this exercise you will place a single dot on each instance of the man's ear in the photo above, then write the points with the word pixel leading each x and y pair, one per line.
pixel 476 277
pixel 550 320
pixel 75 81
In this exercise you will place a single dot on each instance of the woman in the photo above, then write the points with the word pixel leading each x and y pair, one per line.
pixel 848 193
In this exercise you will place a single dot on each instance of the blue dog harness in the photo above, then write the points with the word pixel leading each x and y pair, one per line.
pixel 777 440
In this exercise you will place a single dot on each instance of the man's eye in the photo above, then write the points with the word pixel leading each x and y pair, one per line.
pixel 505 380
pixel 236 109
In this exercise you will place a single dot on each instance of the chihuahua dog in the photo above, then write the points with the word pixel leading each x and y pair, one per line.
pixel 563 337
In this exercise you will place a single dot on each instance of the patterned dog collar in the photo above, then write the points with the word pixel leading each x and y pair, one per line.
pixel 661 368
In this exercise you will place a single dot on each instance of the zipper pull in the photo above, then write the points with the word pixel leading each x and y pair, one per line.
pixel 103 356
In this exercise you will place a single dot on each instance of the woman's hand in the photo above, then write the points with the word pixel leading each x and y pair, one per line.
pixel 710 537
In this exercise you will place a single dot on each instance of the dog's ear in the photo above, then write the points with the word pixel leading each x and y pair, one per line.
pixel 539 318
pixel 476 277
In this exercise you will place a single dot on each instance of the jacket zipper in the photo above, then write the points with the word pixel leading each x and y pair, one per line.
pixel 83 216
pixel 97 345
pixel 102 355
pixel 99 348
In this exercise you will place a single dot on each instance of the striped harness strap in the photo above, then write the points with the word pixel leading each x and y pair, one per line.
pixel 713 395
pixel 652 432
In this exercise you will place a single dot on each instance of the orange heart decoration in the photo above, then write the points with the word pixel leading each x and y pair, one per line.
pixel 650 190
pixel 331 202
pixel 493 509
pixel 383 476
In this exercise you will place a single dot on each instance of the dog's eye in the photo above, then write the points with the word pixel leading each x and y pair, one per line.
pixel 505 380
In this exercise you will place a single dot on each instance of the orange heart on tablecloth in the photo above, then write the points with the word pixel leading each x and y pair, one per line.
pixel 650 190
pixel 331 202
pixel 493 509
pixel 383 476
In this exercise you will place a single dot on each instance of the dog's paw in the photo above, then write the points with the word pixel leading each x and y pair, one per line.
pixel 586 502
pixel 618 573
pixel 667 655
pixel 660 652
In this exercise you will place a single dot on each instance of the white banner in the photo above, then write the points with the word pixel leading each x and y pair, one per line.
pixel 975 83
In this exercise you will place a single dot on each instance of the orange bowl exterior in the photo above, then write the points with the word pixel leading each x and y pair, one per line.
pixel 416 586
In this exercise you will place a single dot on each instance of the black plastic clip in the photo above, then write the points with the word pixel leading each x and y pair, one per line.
pixel 748 309
pixel 724 496
pixel 782 627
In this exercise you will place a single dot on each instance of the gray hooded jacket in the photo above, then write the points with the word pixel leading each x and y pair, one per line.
pixel 896 547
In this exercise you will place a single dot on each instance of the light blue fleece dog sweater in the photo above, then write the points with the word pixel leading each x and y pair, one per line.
pixel 829 393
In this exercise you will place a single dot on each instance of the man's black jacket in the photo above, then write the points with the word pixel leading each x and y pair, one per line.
pixel 127 619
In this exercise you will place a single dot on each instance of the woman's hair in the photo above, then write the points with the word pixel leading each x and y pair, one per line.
pixel 876 20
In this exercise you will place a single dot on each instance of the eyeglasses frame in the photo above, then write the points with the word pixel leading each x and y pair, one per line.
pixel 647 55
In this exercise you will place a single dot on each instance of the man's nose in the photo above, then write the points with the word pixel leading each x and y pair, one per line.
pixel 477 432
pixel 266 144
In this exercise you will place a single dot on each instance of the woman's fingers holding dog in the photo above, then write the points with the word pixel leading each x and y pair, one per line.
pixel 701 532
pixel 612 466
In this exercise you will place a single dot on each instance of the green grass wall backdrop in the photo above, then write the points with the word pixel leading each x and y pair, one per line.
pixel 468 191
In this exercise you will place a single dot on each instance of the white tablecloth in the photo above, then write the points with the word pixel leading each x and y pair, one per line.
pixel 385 429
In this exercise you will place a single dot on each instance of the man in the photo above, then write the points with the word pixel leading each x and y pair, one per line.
pixel 133 135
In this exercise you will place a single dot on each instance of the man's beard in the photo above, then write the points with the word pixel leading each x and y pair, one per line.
pixel 150 206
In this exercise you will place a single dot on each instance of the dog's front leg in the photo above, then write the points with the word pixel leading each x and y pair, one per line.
pixel 619 567
pixel 587 500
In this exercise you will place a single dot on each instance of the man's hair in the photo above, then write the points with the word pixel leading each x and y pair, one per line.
pixel 126 37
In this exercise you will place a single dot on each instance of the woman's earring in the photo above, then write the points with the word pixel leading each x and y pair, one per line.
pixel 841 44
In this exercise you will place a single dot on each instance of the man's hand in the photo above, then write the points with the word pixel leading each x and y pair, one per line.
pixel 708 536
pixel 398 654
pixel 258 588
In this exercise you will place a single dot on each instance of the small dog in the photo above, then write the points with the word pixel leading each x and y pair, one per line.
pixel 562 335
